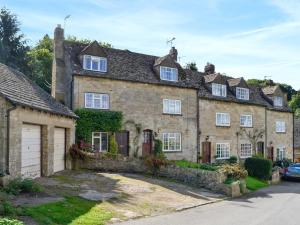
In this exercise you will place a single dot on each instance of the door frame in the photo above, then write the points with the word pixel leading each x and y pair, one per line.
pixel 203 150
pixel 128 133
pixel 150 141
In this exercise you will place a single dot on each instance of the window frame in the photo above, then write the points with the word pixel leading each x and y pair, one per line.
pixel 219 90
pixel 98 59
pixel 168 140
pixel 166 108
pixel 281 152
pixel 251 150
pixel 279 125
pixel 100 141
pixel 228 149
pixel 222 124
pixel 246 115
pixel 101 95
pixel 242 96
pixel 173 71
pixel 275 101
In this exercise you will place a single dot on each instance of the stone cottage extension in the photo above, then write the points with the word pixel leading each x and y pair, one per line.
pixel 35 129
pixel 197 115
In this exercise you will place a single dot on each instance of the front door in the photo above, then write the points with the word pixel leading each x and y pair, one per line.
pixel 260 148
pixel 122 139
pixel 147 142
pixel 206 152
pixel 271 153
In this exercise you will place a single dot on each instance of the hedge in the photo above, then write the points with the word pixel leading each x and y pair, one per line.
pixel 91 120
pixel 259 167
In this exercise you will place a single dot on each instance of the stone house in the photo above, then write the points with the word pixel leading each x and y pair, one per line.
pixel 297 138
pixel 35 129
pixel 196 115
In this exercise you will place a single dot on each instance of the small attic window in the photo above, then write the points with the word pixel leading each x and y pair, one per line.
pixel 278 101
pixel 168 73
pixel 242 93
pixel 94 63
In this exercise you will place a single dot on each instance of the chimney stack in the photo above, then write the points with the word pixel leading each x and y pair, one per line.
pixel 58 66
pixel 209 68
pixel 173 53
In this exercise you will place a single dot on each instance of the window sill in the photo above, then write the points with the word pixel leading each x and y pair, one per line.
pixel 246 126
pixel 280 132
pixel 222 158
pixel 171 114
pixel 225 126
pixel 173 151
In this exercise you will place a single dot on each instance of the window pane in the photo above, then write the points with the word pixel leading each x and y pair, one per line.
pixel 87 62
pixel 104 141
pixel 103 64
pixel 97 103
pixel 105 102
pixel 88 100
pixel 95 64
pixel 96 142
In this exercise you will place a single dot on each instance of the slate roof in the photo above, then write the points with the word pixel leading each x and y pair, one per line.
pixel 234 81
pixel 269 90
pixel 20 90
pixel 127 65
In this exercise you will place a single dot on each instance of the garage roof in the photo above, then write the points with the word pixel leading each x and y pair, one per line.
pixel 20 90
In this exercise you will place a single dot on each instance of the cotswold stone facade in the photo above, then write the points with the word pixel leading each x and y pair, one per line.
pixel 199 116
pixel 297 138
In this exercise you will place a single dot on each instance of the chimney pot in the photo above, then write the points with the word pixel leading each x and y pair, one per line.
pixel 209 68
pixel 59 25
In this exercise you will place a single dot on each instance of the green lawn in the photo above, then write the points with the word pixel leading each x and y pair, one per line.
pixel 73 211
pixel 188 164
pixel 254 184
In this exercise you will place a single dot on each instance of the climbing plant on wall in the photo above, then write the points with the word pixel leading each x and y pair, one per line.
pixel 91 120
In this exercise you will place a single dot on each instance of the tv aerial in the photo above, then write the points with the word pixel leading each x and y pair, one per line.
pixel 170 41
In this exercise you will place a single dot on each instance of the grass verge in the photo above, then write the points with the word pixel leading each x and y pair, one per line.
pixel 188 164
pixel 73 211
pixel 255 184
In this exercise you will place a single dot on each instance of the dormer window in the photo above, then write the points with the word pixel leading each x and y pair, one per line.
pixel 278 101
pixel 94 63
pixel 168 73
pixel 219 90
pixel 242 93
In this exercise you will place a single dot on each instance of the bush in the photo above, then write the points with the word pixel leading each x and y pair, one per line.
pixel 193 165
pixel 6 221
pixel 259 168
pixel 20 185
pixel 154 163
pixel 284 163
pixel 158 147
pixel 113 147
pixel 233 159
pixel 76 153
pixel 7 209
pixel 234 171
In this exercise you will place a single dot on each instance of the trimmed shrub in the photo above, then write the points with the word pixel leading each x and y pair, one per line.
pixel 113 147
pixel 158 147
pixel 259 168
pixel 233 159
pixel 234 171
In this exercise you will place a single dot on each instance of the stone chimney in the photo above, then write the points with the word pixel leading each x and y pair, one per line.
pixel 58 66
pixel 209 68
pixel 173 53
pixel 270 82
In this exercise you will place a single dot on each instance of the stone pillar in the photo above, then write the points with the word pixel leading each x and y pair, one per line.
pixel 58 67
pixel 47 150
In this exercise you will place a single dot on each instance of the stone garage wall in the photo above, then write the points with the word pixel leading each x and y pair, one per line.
pixel 199 178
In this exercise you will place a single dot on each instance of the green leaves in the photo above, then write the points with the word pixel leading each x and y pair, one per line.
pixel 91 120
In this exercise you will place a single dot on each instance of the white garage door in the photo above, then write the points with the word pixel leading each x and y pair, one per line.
pixel 59 149
pixel 31 151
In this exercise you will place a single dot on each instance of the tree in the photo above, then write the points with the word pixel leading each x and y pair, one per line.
pixel 192 66
pixel 88 41
pixel 13 46
pixel 294 104
pixel 40 62
pixel 253 136
pixel 289 90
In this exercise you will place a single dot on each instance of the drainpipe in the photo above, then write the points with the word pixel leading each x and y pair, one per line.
pixel 198 127
pixel 7 137
pixel 293 137
pixel 266 135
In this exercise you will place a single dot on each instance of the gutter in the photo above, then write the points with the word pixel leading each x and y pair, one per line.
pixel 8 137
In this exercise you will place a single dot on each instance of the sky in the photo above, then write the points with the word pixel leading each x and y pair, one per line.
pixel 249 38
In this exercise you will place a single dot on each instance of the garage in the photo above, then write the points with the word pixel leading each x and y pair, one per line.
pixel 31 151
pixel 59 149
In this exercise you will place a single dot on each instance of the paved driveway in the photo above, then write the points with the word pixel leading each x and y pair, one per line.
pixel 275 205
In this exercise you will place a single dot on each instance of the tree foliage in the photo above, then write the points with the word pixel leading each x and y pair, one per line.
pixel 192 66
pixel 13 46
pixel 88 41
pixel 294 104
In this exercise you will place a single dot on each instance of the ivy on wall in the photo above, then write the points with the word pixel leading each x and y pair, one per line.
pixel 91 120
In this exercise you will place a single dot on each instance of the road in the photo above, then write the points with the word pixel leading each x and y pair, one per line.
pixel 275 205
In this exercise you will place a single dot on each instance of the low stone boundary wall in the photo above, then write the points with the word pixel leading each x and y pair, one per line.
pixel 211 180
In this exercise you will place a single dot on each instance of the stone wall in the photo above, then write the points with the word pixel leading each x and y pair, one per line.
pixel 297 138
pixel 275 139
pixel 143 104
pixel 199 178
pixel 217 134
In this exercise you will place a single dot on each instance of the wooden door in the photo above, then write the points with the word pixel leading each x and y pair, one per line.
pixel 122 138
pixel 260 148
pixel 271 153
pixel 147 142
pixel 206 152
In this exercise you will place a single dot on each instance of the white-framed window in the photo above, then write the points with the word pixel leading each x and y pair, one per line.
pixel 219 90
pixel 223 150
pixel 171 142
pixel 172 106
pixel 223 119
pixel 246 120
pixel 281 153
pixel 242 93
pixel 278 101
pixel 94 63
pixel 246 150
pixel 100 141
pixel 96 101
pixel 280 126
pixel 168 73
